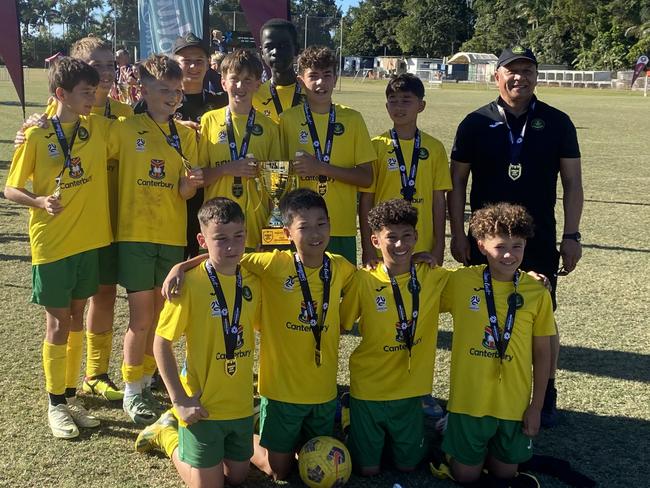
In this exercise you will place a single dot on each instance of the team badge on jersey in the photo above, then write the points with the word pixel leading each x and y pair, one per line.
pixel 537 124
pixel 215 310
pixel 514 171
pixel 393 165
pixel 474 301
pixel 139 144
pixel 246 293
pixel 488 339
pixel 222 137
pixel 303 137
pixel 424 153
pixel 157 171
pixel 76 171
pixel 83 133
pixel 400 334
pixel 380 301
pixel 288 283
pixel 257 130
pixel 339 129
pixel 52 150
pixel 303 317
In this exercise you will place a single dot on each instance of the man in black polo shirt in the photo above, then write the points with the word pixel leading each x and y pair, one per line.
pixel 193 58
pixel 514 148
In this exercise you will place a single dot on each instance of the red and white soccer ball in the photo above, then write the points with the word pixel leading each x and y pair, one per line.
pixel 324 462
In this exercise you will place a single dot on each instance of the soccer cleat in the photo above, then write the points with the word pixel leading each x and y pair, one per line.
pixel 61 422
pixel 550 416
pixel 151 401
pixel 82 417
pixel 102 386
pixel 138 410
pixel 150 437
pixel 431 408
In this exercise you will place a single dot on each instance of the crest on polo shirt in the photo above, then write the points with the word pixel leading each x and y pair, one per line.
pixel 157 170
pixel 380 302
pixel 139 144
pixel 76 171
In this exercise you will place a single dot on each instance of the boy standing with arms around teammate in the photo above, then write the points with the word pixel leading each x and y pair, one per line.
pixel 215 312
pixel 411 165
pixel 155 155
pixel 501 345
pixel 232 138
pixel 69 221
pixel 331 147
pixel 397 305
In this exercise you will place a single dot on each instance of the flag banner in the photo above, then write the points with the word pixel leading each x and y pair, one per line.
pixel 641 63
pixel 257 12
pixel 162 21
pixel 11 48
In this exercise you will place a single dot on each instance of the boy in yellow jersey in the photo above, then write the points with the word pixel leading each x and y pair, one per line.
pixel 279 40
pixel 503 320
pixel 411 165
pixel 234 137
pixel 155 179
pixel 99 336
pixel 216 312
pixel 331 147
pixel 299 339
pixel 397 305
pixel 69 221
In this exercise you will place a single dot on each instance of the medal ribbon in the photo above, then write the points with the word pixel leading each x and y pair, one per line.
pixel 516 145
pixel 65 148
pixel 500 341
pixel 414 289
pixel 312 315
pixel 276 98
pixel 321 155
pixel 232 143
pixel 230 329
pixel 173 140
pixel 408 182
pixel 107 109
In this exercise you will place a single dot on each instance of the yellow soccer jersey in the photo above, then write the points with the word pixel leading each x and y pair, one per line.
pixel 263 102
pixel 433 174
pixel 351 147
pixel 214 151
pixel 117 110
pixel 195 314
pixel 475 388
pixel 84 222
pixel 288 371
pixel 150 208
pixel 379 365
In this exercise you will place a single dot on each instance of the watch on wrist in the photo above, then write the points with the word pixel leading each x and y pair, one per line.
pixel 575 236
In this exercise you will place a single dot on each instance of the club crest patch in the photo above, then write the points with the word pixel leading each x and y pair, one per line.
pixel 157 170
pixel 257 130
pixel 267 112
pixel 339 129
pixel 303 316
pixel 488 339
pixel 424 153
pixel 76 171
pixel 537 124
pixel 514 171
pixel 246 293
pixel 83 133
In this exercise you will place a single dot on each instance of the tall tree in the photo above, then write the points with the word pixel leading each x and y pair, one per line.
pixel 434 27
pixel 496 26
pixel 370 28
pixel 323 19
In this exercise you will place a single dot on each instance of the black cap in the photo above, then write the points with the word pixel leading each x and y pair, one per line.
pixel 188 40
pixel 511 54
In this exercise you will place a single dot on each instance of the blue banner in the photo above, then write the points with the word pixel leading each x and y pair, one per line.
pixel 162 21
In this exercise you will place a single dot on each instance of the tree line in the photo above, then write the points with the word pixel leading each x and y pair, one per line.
pixel 581 34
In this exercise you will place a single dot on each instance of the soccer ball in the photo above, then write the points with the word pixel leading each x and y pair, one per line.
pixel 324 462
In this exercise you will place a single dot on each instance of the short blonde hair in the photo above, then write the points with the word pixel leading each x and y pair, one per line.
pixel 159 67
pixel 86 45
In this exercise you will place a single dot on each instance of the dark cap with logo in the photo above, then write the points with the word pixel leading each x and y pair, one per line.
pixel 510 54
pixel 188 40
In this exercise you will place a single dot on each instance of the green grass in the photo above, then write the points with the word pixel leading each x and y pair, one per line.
pixel 604 377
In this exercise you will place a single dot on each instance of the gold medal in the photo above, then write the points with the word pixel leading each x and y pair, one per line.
pixel 237 190
pixel 514 171
pixel 317 357
pixel 231 367
pixel 322 187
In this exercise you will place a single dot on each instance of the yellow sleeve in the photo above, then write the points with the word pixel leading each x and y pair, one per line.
pixel 204 153
pixel 544 323
pixel 113 144
pixel 350 308
pixel 447 295
pixel 284 142
pixel 377 146
pixel 275 150
pixel 364 152
pixel 258 262
pixel 441 173
pixel 174 317
pixel 23 161
pixel 190 147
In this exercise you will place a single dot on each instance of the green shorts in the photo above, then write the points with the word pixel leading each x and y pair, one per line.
pixel 144 266
pixel 108 264
pixel 469 440
pixel 56 284
pixel 396 423
pixel 284 427
pixel 207 442
pixel 345 246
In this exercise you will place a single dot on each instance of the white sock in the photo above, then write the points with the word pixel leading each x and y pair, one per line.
pixel 131 389
pixel 146 380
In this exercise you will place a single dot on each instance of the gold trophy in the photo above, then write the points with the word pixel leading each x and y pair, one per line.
pixel 276 178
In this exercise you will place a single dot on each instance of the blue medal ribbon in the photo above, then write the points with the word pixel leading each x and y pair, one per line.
pixel 408 182
pixel 237 187
pixel 276 98
pixel 501 341
pixel 65 149
pixel 321 155
pixel 408 330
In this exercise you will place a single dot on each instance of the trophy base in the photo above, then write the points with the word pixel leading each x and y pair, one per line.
pixel 274 237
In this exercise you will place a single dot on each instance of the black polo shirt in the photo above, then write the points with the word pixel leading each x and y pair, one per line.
pixel 482 141
pixel 193 105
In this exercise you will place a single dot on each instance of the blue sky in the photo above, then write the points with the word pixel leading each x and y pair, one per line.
pixel 345 4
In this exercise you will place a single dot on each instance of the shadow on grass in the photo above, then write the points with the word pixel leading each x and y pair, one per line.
pixel 608 363
pixel 11 257
pixel 11 103
pixel 4 238
pixel 614 248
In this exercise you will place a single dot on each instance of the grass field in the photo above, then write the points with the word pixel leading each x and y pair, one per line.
pixel 604 377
